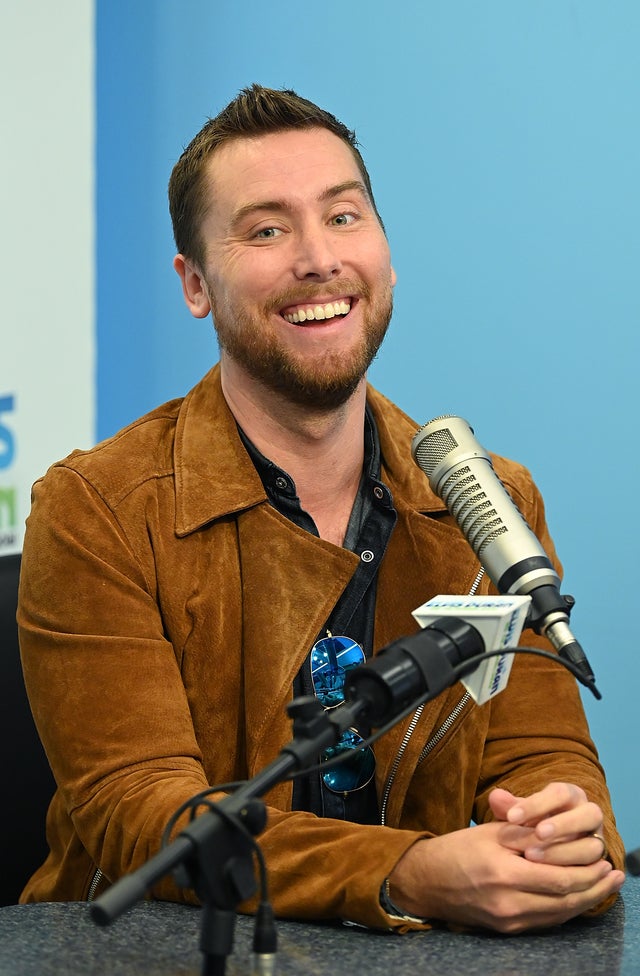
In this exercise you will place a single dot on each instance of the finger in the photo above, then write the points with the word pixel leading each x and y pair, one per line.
pixel 501 801
pixel 579 851
pixel 554 798
pixel 543 909
pixel 579 821
pixel 515 838
pixel 562 880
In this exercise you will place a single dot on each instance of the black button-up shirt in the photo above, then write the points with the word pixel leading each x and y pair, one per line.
pixel 369 529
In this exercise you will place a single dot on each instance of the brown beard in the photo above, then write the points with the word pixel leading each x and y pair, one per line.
pixel 322 385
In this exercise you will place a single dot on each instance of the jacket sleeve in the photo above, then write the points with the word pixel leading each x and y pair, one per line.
pixel 103 682
pixel 113 714
pixel 538 731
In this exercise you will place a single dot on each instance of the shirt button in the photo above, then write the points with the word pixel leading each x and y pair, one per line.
pixel 366 556
pixel 378 492
pixel 281 483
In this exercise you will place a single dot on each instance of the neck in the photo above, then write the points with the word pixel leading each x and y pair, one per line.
pixel 322 450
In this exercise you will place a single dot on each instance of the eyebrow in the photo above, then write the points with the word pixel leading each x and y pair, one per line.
pixel 282 205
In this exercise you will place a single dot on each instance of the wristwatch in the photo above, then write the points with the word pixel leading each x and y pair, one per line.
pixel 393 911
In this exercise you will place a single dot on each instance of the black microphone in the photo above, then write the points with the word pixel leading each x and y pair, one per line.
pixel 461 473
pixel 419 666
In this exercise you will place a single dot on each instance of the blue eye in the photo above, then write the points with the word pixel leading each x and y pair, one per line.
pixel 343 219
pixel 267 233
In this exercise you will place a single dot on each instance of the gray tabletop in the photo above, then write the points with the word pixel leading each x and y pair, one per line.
pixel 161 939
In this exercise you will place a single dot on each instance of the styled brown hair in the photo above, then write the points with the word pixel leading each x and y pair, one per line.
pixel 255 111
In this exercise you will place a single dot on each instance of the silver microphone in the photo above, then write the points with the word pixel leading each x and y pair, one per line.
pixel 460 472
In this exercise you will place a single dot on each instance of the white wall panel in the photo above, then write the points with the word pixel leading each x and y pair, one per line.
pixel 47 396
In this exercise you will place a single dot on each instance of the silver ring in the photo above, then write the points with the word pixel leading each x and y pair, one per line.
pixel 605 849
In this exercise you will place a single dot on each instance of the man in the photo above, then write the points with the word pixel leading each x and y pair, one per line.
pixel 215 541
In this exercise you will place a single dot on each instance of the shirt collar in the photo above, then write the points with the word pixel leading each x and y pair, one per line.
pixel 278 482
pixel 215 476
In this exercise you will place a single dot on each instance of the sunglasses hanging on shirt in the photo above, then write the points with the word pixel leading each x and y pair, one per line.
pixel 331 660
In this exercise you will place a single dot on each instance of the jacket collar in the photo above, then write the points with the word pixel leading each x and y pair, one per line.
pixel 396 431
pixel 215 476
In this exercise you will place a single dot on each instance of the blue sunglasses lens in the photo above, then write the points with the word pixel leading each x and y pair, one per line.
pixel 331 659
pixel 356 769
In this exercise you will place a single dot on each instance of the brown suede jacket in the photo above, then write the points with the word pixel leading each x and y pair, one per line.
pixel 165 609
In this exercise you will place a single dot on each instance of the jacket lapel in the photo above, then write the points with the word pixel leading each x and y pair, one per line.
pixel 291 581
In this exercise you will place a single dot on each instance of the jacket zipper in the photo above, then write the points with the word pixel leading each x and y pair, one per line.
pixel 435 738
pixel 93 887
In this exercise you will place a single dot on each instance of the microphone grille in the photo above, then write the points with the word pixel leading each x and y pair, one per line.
pixel 433 448
pixel 442 446
pixel 474 512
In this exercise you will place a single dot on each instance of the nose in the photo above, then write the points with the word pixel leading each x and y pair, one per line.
pixel 316 258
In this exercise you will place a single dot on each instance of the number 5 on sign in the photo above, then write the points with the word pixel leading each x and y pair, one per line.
pixel 7 440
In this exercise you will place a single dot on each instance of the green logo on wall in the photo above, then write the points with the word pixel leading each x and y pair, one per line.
pixel 8 515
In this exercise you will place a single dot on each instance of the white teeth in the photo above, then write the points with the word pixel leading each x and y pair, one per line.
pixel 319 312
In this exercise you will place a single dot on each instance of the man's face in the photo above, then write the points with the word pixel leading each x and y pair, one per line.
pixel 297 269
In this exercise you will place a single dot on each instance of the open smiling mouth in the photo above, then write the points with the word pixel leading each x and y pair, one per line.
pixel 317 313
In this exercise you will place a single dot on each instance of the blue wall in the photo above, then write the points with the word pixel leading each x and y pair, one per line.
pixel 503 144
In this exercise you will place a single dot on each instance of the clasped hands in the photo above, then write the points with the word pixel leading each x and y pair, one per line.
pixel 540 862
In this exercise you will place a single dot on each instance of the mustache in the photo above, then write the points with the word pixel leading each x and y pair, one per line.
pixel 312 294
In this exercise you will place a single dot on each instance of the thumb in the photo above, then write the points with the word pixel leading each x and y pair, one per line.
pixel 501 802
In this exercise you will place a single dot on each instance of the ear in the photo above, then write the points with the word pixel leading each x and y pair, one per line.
pixel 394 277
pixel 193 287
